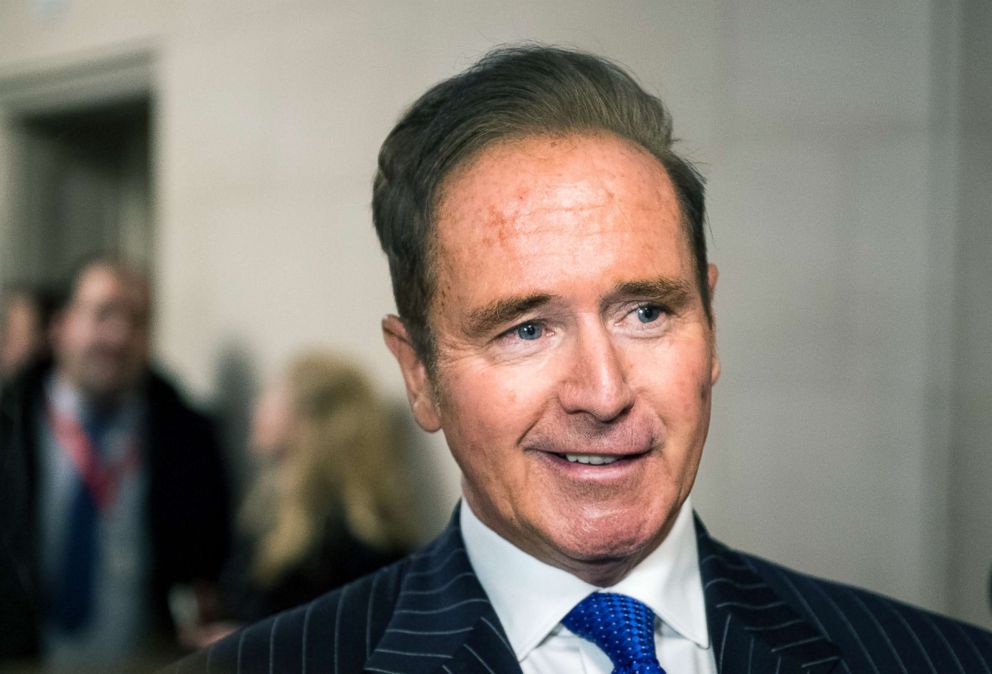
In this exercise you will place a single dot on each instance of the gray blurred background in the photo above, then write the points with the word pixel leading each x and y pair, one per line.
pixel 230 145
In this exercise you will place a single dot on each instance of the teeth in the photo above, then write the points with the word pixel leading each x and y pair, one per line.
pixel 591 459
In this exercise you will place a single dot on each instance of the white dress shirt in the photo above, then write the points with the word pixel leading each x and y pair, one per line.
pixel 531 598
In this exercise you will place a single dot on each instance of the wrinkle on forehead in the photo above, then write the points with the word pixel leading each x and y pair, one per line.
pixel 553 165
pixel 535 200
pixel 551 188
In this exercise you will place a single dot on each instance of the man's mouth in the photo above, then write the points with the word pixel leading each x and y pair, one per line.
pixel 592 459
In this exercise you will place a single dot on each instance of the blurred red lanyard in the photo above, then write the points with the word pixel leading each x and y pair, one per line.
pixel 102 480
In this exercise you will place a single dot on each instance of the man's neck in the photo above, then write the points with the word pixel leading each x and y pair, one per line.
pixel 104 404
pixel 605 571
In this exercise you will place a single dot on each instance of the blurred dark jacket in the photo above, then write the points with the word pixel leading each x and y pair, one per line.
pixel 187 507
pixel 338 558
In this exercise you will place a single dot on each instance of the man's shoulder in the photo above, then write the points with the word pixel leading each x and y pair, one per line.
pixel 785 620
pixel 877 632
pixel 176 428
pixel 165 396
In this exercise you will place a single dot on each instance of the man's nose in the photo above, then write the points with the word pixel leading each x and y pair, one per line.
pixel 117 329
pixel 597 381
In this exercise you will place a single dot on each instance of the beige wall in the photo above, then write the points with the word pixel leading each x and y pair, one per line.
pixel 816 123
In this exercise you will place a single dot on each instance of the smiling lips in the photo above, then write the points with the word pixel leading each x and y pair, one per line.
pixel 598 444
pixel 597 459
pixel 591 459
pixel 598 452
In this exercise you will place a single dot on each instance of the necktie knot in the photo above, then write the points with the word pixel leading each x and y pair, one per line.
pixel 621 626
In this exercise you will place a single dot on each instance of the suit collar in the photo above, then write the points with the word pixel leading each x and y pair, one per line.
pixel 751 626
pixel 443 620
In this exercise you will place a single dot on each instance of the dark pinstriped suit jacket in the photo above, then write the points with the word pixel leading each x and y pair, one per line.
pixel 428 613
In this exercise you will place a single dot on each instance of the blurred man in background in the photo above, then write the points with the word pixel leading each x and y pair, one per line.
pixel 113 487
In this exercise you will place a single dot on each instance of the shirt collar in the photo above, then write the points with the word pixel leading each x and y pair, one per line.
pixel 66 399
pixel 531 597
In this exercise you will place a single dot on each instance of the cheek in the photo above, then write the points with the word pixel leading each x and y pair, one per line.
pixel 482 409
pixel 71 340
pixel 485 414
pixel 493 392
pixel 682 402
pixel 681 391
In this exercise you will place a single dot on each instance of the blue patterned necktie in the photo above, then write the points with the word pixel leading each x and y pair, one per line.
pixel 621 626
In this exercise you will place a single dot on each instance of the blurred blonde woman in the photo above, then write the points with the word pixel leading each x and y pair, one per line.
pixel 330 502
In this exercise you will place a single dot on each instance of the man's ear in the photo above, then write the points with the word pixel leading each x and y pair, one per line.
pixel 419 391
pixel 712 274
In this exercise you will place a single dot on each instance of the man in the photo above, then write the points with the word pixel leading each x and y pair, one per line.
pixel 113 489
pixel 555 322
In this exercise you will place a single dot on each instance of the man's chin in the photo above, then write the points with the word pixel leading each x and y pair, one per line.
pixel 106 389
pixel 603 555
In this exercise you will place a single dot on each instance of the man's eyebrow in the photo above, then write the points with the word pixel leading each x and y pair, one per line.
pixel 483 320
pixel 674 293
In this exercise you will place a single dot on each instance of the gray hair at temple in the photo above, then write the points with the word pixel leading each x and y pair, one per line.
pixel 512 92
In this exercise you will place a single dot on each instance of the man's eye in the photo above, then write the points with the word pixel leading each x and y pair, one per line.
pixel 529 331
pixel 648 313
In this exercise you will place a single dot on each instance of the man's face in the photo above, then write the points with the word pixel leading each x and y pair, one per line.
pixel 574 357
pixel 101 340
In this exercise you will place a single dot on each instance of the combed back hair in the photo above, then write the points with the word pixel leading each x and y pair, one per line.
pixel 512 92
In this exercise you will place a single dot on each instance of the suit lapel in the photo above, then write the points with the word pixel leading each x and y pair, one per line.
pixel 751 626
pixel 485 650
pixel 443 620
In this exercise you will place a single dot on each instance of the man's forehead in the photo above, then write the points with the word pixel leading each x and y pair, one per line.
pixel 548 147
pixel 525 188
pixel 545 216
pixel 104 283
pixel 583 168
